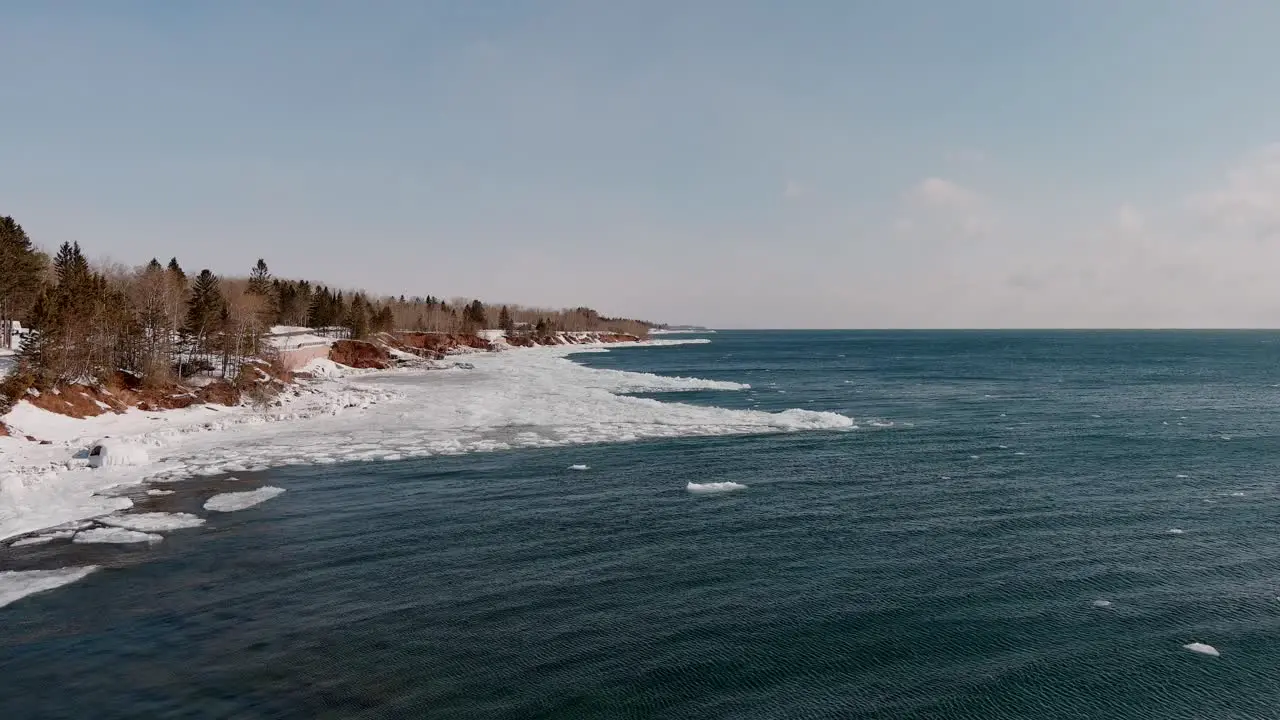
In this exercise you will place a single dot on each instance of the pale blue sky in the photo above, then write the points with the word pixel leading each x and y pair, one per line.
pixel 945 163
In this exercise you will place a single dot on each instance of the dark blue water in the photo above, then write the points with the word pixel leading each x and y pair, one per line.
pixel 940 562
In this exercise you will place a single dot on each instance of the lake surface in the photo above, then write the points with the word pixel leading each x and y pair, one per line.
pixel 944 560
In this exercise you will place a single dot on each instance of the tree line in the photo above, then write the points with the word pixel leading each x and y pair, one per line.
pixel 161 324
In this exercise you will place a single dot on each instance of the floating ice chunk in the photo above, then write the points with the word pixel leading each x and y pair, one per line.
pixel 1180 477
pixel 1101 603
pixel 156 492
pixel 1176 531
pixel 36 540
pixel 579 467
pixel 152 521
pixel 232 501
pixel 714 487
pixel 973 457
pixel 15 585
pixel 1198 647
pixel 1237 494
pixel 1019 453
pixel 114 536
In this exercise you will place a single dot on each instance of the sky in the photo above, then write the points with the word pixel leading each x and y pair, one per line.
pixel 731 163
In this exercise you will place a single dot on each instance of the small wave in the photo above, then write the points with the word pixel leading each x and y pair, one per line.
pixel 714 487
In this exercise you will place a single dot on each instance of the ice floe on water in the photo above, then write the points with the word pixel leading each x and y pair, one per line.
pixel 579 467
pixel 152 521
pixel 232 501
pixel 714 487
pixel 35 540
pixel 1176 531
pixel 15 585
pixel 156 492
pixel 1101 603
pixel 1199 647
pixel 114 536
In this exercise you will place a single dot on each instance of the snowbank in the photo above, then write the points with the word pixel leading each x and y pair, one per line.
pixel 114 453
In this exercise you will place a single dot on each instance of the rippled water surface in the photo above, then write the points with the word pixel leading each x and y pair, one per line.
pixel 944 560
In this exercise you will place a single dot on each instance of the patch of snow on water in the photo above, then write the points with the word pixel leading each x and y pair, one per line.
pixel 232 501
pixel 1198 647
pixel 15 585
pixel 156 492
pixel 714 487
pixel 152 521
pixel 114 536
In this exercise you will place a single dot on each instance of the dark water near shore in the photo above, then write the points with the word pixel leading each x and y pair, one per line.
pixel 940 562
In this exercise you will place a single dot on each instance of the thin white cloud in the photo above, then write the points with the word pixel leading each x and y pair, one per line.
pixel 1129 219
pixel 793 189
pixel 1249 202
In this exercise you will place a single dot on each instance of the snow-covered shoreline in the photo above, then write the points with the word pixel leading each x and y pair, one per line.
pixel 533 397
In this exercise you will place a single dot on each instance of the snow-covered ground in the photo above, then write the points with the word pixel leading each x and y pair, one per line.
pixel 533 397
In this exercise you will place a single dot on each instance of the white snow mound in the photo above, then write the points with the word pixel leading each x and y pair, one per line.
pixel 15 585
pixel 232 501
pixel 109 452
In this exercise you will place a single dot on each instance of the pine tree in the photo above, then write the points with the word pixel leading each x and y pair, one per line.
pixel 176 269
pixel 357 317
pixel 385 320
pixel 154 265
pixel 260 279
pixel 20 270
pixel 70 265
pixel 506 323
pixel 204 309
pixel 474 315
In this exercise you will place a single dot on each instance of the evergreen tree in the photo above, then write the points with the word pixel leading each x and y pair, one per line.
pixel 474 315
pixel 205 308
pixel 154 265
pixel 357 317
pixel 20 270
pixel 542 329
pixel 260 279
pixel 176 269
pixel 70 266
pixel 505 322
pixel 384 320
